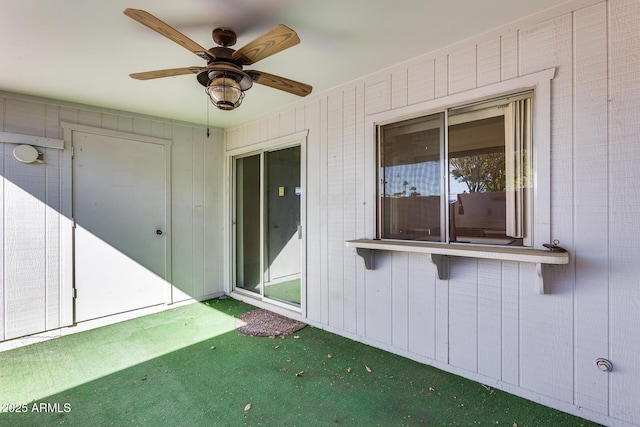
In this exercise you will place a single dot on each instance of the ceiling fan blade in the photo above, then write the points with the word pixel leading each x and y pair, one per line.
pixel 145 18
pixel 273 41
pixel 280 83
pixel 148 75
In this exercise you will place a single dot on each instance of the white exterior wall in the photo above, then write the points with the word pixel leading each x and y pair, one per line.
pixel 486 323
pixel 36 276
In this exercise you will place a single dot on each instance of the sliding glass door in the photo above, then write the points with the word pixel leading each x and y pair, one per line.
pixel 268 229
pixel 248 223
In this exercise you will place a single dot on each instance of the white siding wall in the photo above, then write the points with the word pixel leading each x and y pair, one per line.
pixel 486 322
pixel 34 199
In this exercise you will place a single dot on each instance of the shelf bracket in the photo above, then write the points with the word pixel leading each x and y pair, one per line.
pixel 540 279
pixel 442 263
pixel 367 256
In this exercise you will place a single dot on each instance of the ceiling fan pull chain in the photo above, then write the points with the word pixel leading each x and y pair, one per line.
pixel 207 101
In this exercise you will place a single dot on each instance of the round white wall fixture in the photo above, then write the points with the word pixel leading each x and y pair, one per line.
pixel 25 153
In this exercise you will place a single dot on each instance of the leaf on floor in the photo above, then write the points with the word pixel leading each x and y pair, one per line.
pixel 367 368
pixel 349 369
pixel 247 408
pixel 296 336
pixel 299 374
pixel 329 356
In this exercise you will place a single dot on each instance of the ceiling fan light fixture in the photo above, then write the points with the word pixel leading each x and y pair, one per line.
pixel 225 92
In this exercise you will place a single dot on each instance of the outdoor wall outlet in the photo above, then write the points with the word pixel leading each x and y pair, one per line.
pixel 604 365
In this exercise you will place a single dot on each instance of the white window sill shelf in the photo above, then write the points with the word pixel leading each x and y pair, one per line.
pixel 441 252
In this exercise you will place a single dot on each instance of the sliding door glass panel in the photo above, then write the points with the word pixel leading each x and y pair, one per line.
pixel 248 222
pixel 410 179
pixel 282 252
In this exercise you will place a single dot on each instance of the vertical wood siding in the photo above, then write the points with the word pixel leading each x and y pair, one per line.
pixel 335 209
pixel 32 206
pixel 549 321
pixel 591 201
pixel 486 322
pixel 624 207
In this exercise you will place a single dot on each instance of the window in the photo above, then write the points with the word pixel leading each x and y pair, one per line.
pixel 461 175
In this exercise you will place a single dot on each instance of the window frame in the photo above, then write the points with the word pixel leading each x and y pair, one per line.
pixel 539 83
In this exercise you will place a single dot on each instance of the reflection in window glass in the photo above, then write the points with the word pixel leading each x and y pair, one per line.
pixel 410 184
pixel 477 213
pixel 477 179
pixel 489 151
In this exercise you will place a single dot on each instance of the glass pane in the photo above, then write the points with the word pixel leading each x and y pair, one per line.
pixel 410 183
pixel 248 223
pixel 477 206
pixel 282 228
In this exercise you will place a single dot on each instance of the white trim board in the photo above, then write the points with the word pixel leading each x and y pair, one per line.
pixel 114 133
pixel 269 143
pixel 38 141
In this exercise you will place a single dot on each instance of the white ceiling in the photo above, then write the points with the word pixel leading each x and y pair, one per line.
pixel 83 51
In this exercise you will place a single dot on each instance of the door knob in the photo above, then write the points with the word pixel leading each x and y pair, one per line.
pixel 159 232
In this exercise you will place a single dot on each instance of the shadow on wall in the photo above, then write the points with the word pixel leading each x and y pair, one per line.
pixel 30 241
pixel 116 255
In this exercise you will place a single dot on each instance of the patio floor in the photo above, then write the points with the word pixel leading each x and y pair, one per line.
pixel 189 367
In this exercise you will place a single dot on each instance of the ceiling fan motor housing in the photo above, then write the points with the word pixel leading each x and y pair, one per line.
pixel 230 70
pixel 223 65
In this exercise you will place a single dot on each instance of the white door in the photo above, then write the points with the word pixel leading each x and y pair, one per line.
pixel 120 195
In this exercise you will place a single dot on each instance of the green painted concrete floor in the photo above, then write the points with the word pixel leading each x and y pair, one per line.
pixel 189 367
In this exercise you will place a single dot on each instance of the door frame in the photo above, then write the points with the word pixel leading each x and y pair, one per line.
pixel 68 129
pixel 296 139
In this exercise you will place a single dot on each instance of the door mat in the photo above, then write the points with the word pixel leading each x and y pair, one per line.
pixel 265 323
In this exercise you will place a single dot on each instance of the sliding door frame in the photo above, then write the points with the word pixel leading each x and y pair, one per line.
pixel 297 139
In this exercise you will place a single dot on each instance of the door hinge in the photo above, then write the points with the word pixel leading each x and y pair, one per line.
pixel 75 293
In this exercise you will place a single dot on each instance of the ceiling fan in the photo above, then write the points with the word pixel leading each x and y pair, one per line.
pixel 223 77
